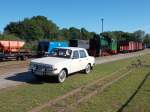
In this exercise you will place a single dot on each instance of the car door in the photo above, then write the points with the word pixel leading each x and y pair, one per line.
pixel 84 59
pixel 75 63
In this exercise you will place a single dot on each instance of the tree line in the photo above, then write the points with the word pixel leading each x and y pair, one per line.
pixel 38 28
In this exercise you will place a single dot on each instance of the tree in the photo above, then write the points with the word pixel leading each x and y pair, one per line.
pixel 139 35
pixel 147 40
pixel 40 28
pixel 74 33
pixel 35 28
pixel 125 36
pixel 8 37
pixel 46 25
pixel 65 33
pixel 85 34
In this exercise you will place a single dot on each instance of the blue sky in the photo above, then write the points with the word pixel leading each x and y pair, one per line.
pixel 125 15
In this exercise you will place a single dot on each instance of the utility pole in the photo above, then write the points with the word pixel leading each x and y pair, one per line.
pixel 102 19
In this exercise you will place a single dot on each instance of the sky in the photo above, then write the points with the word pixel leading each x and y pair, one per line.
pixel 122 15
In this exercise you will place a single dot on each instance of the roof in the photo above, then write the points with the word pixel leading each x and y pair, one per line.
pixel 72 48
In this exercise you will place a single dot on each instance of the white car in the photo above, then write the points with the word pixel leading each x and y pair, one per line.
pixel 61 62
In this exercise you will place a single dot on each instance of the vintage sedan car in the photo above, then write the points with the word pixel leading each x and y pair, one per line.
pixel 61 62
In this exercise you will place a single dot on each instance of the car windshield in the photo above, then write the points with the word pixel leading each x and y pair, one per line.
pixel 60 52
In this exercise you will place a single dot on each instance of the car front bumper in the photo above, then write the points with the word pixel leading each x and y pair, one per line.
pixel 44 72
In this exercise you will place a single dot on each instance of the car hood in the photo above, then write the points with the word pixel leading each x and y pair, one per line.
pixel 50 60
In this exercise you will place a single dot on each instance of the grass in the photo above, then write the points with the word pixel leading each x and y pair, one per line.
pixel 141 102
pixel 119 94
pixel 23 98
pixel 112 99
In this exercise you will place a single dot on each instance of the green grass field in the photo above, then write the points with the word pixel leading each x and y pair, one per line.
pixel 119 94
pixel 25 97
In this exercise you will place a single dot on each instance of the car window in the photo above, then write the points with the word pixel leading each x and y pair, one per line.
pixel 82 54
pixel 75 55
pixel 61 53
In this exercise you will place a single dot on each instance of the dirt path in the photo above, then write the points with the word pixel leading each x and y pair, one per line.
pixel 16 74
pixel 106 59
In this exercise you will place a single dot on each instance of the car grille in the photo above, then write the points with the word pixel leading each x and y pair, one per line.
pixel 42 67
pixel 39 66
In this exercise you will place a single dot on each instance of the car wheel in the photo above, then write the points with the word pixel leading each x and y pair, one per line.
pixel 62 76
pixel 87 69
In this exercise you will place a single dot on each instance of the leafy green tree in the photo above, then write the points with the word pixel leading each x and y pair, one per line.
pixel 35 28
pixel 65 33
pixel 8 37
pixel 85 34
pixel 125 36
pixel 32 45
pixel 46 25
pixel 40 28
pixel 147 39
pixel 139 35
pixel 74 33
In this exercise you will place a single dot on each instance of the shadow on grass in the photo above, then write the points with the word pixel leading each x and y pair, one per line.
pixel 28 77
pixel 134 94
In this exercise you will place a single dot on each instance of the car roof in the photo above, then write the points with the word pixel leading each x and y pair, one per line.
pixel 71 48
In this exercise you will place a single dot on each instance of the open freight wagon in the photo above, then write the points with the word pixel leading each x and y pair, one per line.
pixel 13 50
pixel 130 46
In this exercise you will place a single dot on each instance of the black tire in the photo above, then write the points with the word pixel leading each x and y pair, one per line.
pixel 17 58
pixel 62 76
pixel 87 70
pixel 21 58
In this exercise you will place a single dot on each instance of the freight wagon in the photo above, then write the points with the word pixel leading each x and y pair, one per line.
pixel 45 47
pixel 130 46
pixel 79 43
pixel 12 50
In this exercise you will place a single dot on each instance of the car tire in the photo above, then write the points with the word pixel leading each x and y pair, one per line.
pixel 62 76
pixel 18 58
pixel 87 69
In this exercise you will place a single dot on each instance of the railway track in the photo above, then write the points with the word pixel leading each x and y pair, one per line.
pixel 67 102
